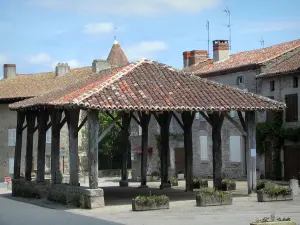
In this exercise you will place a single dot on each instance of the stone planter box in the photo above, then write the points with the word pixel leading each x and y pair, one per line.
pixel 206 200
pixel 263 197
pixel 181 176
pixel 202 184
pixel 148 178
pixel 137 207
pixel 276 223
pixel 155 178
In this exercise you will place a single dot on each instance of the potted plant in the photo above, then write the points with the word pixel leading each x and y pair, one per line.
pixel 212 197
pixel 143 203
pixel 228 185
pixel 277 193
pixel 260 184
pixel 180 175
pixel 149 178
pixel 199 183
pixel 173 181
pixel 155 176
pixel 272 220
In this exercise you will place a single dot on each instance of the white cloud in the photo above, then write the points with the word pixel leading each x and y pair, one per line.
pixel 73 63
pixel 259 27
pixel 128 7
pixel 3 59
pixel 40 58
pixel 145 49
pixel 98 28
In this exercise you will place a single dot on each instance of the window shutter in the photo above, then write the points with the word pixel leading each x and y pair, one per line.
pixel 11 137
pixel 48 136
pixel 203 148
pixel 235 148
pixel 291 112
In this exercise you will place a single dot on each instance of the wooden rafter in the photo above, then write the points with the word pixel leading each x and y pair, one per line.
pixel 109 127
pixel 235 124
pixel 242 120
pixel 82 123
pixel 178 120
pixel 206 118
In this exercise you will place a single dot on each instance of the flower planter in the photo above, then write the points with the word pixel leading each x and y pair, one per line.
pixel 173 181
pixel 228 185
pixel 276 223
pixel 264 197
pixel 148 178
pixel 200 184
pixel 181 176
pixel 153 204
pixel 155 178
pixel 214 200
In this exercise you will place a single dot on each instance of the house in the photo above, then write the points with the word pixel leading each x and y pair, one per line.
pixel 16 87
pixel 253 71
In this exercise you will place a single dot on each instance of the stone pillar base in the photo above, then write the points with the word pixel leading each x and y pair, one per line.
pixel 123 183
pixel 143 186
pixel 82 197
pixel 164 186
pixel 30 189
pixel 294 185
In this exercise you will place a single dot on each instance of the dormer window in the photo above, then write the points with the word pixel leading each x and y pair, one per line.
pixel 239 80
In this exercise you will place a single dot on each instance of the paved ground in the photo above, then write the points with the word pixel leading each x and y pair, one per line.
pixel 243 210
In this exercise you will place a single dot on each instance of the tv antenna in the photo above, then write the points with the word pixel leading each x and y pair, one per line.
pixel 208 38
pixel 227 11
pixel 262 42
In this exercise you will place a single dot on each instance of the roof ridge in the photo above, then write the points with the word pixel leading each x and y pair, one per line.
pixel 278 55
pixel 111 80
pixel 41 73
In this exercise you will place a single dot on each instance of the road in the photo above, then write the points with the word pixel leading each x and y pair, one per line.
pixel 19 213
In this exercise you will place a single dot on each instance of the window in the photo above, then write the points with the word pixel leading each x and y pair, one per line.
pixel 239 80
pixel 295 82
pixel 270 114
pixel 272 85
pixel 140 130
pixel 235 148
pixel 203 148
pixel 48 136
pixel 11 137
pixel 291 111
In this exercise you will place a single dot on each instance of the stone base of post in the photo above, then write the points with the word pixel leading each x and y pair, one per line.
pixel 123 183
pixel 164 186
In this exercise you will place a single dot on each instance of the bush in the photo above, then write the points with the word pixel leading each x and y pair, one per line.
pixel 150 200
pixel 228 185
pixel 261 184
pixel 155 174
pixel 277 191
pixel 211 192
pixel 272 218
pixel 173 181
pixel 199 182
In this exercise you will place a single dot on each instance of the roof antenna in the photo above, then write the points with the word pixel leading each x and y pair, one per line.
pixel 208 39
pixel 227 11
pixel 262 42
pixel 115 37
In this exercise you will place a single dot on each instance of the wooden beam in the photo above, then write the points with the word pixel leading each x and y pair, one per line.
pixel 93 133
pixel 55 146
pixel 72 120
pixel 30 120
pixel 24 127
pixel 108 128
pixel 42 125
pixel 145 119
pixel 243 123
pixel 82 123
pixel 235 124
pixel 48 126
pixel 136 120
pixel 111 116
pixel 178 120
pixel 62 122
pixel 157 118
pixel 125 146
pixel 18 147
pixel 206 118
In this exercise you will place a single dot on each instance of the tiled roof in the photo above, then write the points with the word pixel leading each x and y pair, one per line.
pixel 30 85
pixel 116 56
pixel 243 58
pixel 147 85
pixel 288 64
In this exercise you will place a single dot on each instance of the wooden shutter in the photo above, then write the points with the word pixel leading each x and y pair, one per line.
pixel 291 112
pixel 235 148
pixel 11 137
pixel 203 148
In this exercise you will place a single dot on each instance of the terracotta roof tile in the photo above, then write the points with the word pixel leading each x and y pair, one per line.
pixel 148 85
pixel 116 56
pixel 244 58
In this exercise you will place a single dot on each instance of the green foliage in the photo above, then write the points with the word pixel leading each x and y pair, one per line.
pixel 277 191
pixel 155 174
pixel 260 184
pixel 173 181
pixel 272 218
pixel 200 183
pixel 151 200
pixel 228 185
pixel 60 177
pixel 211 192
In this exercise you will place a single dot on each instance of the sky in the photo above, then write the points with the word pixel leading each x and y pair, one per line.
pixel 37 34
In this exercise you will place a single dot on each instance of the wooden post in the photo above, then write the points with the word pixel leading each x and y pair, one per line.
pixel 187 119
pixel 125 145
pixel 93 133
pixel 217 119
pixel 144 120
pixel 55 144
pixel 251 144
pixel 30 120
pixel 72 120
pixel 42 129
pixel 18 147
pixel 164 120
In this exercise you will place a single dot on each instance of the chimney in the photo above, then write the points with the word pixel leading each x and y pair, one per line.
pixel 9 70
pixel 99 65
pixel 221 50
pixel 193 57
pixel 62 69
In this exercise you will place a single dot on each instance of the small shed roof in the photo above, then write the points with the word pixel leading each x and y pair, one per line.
pixel 151 86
